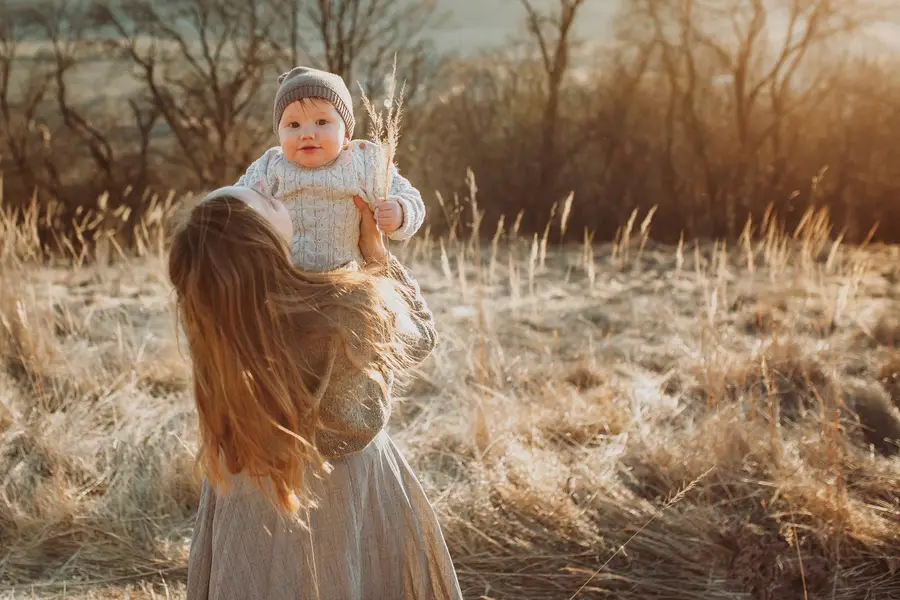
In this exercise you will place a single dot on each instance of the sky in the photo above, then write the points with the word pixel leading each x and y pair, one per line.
pixel 472 25
pixel 479 24
pixel 484 23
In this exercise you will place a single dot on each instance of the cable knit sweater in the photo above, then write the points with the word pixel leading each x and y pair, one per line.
pixel 320 201
pixel 353 407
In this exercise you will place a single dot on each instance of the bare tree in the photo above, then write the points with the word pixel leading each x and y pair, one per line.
pixel 66 29
pixel 731 46
pixel 145 115
pixel 758 72
pixel 553 36
pixel 357 39
pixel 861 128
pixel 616 98
pixel 20 99
pixel 202 64
pixel 59 130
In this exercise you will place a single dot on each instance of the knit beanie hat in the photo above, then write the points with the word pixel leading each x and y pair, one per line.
pixel 304 82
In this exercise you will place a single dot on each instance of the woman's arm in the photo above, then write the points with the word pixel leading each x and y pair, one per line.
pixel 371 240
pixel 415 326
pixel 355 403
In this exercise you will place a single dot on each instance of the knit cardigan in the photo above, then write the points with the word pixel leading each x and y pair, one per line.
pixel 320 201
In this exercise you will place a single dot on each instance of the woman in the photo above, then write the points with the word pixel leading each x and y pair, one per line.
pixel 305 495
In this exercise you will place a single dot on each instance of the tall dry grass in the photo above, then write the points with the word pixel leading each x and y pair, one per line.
pixel 627 420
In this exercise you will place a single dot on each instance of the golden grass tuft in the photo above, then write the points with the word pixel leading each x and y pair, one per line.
pixel 626 421
pixel 584 378
pixel 384 127
pixel 887 330
pixel 780 379
pixel 889 376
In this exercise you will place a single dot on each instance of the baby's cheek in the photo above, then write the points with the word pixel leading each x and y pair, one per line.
pixel 286 139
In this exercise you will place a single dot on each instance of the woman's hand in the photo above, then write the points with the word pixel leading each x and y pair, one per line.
pixel 371 240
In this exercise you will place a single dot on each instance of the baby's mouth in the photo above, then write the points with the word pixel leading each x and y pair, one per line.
pixel 306 148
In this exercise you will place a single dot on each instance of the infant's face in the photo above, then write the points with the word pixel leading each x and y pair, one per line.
pixel 312 133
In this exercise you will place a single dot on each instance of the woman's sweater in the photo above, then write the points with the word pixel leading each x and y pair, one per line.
pixel 354 408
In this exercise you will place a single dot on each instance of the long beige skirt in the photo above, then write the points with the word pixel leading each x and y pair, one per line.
pixel 373 536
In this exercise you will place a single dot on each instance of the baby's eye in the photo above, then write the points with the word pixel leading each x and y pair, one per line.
pixel 322 122
pixel 293 124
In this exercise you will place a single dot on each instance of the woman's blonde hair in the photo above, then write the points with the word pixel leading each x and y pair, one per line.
pixel 249 315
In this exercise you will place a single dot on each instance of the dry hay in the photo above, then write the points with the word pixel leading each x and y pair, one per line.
pixel 597 421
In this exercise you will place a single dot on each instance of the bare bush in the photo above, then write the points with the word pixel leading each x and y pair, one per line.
pixel 357 39
pixel 709 111
pixel 201 64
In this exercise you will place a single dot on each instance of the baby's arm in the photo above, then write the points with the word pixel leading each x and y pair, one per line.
pixel 255 175
pixel 411 201
pixel 368 156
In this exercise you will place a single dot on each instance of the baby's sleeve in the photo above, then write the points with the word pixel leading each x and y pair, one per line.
pixel 413 207
pixel 255 175
pixel 369 161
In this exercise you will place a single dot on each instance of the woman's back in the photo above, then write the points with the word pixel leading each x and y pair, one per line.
pixel 292 371
pixel 373 533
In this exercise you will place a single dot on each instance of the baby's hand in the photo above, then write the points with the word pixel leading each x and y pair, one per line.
pixel 389 215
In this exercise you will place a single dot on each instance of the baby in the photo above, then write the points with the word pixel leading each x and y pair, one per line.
pixel 318 168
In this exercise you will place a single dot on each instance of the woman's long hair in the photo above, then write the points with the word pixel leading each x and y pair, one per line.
pixel 249 316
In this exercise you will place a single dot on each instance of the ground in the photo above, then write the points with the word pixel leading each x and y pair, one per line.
pixel 624 421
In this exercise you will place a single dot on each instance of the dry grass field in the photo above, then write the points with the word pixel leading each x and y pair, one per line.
pixel 625 421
